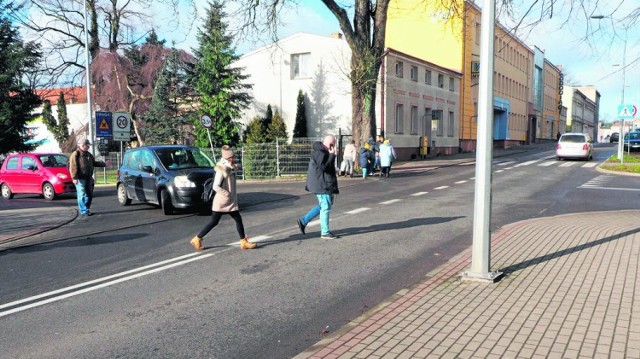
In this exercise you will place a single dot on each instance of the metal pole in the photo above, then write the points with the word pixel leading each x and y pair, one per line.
pixel 624 65
pixel 88 73
pixel 481 249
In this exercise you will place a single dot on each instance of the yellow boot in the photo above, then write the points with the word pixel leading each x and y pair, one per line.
pixel 245 244
pixel 196 242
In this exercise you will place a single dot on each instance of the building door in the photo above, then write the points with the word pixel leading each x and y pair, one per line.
pixel 426 130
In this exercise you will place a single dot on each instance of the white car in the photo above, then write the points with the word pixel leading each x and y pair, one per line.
pixel 575 145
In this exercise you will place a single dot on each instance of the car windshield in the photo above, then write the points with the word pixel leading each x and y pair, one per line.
pixel 178 157
pixel 632 135
pixel 53 160
pixel 573 138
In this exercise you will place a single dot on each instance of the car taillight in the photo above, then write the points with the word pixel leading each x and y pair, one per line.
pixel 585 147
pixel 558 147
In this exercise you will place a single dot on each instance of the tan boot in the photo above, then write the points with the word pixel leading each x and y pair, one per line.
pixel 196 242
pixel 245 244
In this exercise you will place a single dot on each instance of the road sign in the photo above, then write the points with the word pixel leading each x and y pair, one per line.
pixel 122 128
pixel 206 121
pixel 627 111
pixel 103 124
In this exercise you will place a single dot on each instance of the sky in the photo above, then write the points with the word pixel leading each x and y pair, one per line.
pixel 590 61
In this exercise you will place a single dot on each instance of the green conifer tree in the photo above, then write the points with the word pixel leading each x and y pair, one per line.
pixel 277 128
pixel 220 87
pixel 300 127
pixel 61 132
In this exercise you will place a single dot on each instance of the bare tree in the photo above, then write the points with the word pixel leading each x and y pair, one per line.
pixel 59 26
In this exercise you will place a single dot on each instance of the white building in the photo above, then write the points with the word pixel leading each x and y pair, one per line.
pixel 317 65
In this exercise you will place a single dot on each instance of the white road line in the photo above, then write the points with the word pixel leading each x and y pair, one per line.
pixel 546 163
pixel 509 168
pixel 567 164
pixel 76 286
pixel 506 163
pixel 527 163
pixel 442 187
pixel 463 181
pixel 498 171
pixel 590 164
pixel 390 201
pixel 419 193
pixel 255 239
pixel 99 286
pixel 471 178
pixel 358 210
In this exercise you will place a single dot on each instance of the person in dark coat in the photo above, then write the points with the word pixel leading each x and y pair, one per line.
pixel 365 160
pixel 323 181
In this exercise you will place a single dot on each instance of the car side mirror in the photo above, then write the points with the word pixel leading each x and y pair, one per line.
pixel 147 169
pixel 32 167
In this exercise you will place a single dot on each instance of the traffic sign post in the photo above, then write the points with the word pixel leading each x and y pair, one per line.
pixel 122 128
pixel 103 125
pixel 625 112
pixel 206 121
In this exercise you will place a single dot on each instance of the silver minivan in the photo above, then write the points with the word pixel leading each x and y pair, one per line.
pixel 575 145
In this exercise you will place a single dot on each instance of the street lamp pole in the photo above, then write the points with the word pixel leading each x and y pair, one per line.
pixel 88 79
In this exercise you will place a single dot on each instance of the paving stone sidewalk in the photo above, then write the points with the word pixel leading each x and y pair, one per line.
pixel 571 290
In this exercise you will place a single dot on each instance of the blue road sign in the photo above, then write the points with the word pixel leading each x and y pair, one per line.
pixel 104 121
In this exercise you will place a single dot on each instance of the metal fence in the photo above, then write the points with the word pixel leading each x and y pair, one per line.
pixel 255 161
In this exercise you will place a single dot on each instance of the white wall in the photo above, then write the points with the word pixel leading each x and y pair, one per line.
pixel 327 89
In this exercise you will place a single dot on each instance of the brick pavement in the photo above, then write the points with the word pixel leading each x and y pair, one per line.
pixel 571 290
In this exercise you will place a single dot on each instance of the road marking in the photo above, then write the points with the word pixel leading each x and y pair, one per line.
pixel 255 239
pixel 498 171
pixel 358 210
pixel 506 163
pixel 547 163
pixel 419 193
pixel 463 181
pixel 590 164
pixel 178 261
pixel 390 201
pixel 526 163
pixel 567 164
pixel 442 187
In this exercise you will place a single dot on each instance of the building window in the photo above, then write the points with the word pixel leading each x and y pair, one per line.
pixel 399 69
pixel 427 77
pixel 300 66
pixel 399 118
pixel 414 73
pixel 436 117
pixel 414 120
pixel 441 80
pixel 451 125
pixel 451 84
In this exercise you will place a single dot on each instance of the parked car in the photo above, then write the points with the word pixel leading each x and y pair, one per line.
pixel 574 145
pixel 36 173
pixel 170 176
pixel 615 137
pixel 631 141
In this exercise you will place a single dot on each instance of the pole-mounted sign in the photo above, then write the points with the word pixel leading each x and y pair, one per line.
pixel 207 123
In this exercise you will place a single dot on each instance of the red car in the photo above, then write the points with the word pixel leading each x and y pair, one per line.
pixel 36 173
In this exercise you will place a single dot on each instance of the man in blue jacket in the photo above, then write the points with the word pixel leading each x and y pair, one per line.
pixel 322 180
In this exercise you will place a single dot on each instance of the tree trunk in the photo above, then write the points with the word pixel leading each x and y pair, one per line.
pixel 364 116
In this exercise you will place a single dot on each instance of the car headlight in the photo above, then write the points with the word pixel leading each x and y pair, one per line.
pixel 62 176
pixel 183 181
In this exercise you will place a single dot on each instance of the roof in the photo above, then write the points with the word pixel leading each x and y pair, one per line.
pixel 71 94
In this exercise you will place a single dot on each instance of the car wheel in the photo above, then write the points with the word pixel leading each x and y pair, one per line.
pixel 6 191
pixel 48 192
pixel 123 199
pixel 165 202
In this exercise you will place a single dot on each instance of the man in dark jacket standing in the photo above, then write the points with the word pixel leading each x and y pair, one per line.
pixel 322 180
pixel 81 164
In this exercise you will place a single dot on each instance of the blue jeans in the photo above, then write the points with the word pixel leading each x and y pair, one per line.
pixel 84 192
pixel 323 209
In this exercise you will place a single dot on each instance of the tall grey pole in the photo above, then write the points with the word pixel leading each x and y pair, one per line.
pixel 88 73
pixel 481 250
pixel 624 66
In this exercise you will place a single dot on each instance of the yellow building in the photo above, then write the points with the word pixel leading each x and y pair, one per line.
pixel 451 39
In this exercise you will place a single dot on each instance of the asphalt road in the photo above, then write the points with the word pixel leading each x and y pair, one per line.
pixel 128 284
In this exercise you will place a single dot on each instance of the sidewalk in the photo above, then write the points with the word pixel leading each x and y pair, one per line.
pixel 571 290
